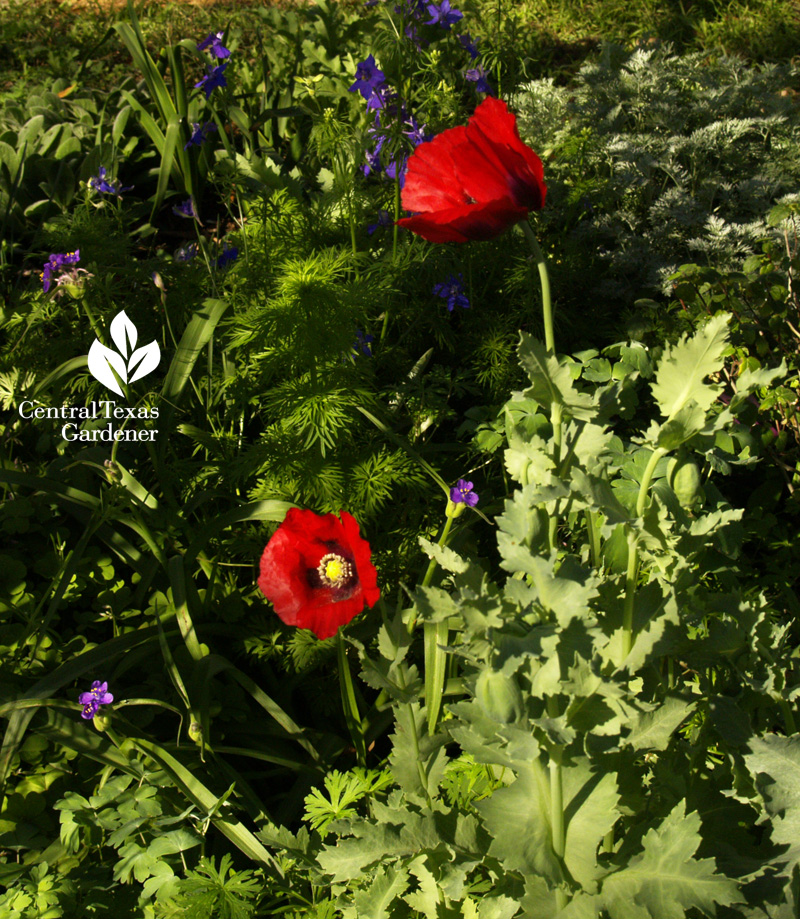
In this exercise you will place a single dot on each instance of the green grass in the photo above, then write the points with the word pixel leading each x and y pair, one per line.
pixel 45 41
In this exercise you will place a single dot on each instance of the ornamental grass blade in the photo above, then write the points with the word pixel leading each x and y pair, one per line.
pixel 256 510
pixel 169 164
pixel 349 702
pixel 195 337
pixel 204 798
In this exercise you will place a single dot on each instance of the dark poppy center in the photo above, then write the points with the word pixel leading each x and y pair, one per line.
pixel 336 572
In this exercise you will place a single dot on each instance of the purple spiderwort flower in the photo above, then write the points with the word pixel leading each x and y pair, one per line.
pixel 468 44
pixel 214 43
pixel 56 262
pixel 200 133
pixel 185 209
pixel 92 700
pixel 462 493
pixel 443 15
pixel 214 79
pixel 478 76
pixel 228 255
pixel 384 220
pixel 452 290
pixel 102 184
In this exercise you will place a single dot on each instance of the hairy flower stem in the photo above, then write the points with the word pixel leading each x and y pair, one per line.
pixel 544 278
pixel 633 555
pixel 550 344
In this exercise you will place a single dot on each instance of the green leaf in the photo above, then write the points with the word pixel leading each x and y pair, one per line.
pixel 665 880
pixel 685 365
pixel 385 886
pixel 653 730
pixel 417 760
pixel 552 381
pixel 775 765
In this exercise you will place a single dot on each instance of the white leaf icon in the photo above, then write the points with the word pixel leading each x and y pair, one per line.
pixel 123 331
pixel 101 360
pixel 149 355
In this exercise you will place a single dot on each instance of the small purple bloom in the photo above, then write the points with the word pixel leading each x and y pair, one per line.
pixel 56 262
pixel 442 15
pixel 362 341
pixel 452 290
pixel 462 493
pixel 468 44
pixel 228 255
pixel 384 220
pixel 416 134
pixel 101 183
pixel 214 79
pixel 185 209
pixel 186 253
pixel 92 700
pixel 200 133
pixel 214 42
pixel 369 78
pixel 478 76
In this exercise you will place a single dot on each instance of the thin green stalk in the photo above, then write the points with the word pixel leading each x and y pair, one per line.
pixel 544 278
pixel 349 703
pixel 550 344
pixel 557 822
pixel 594 538
pixel 395 230
pixel 432 566
pixel 632 571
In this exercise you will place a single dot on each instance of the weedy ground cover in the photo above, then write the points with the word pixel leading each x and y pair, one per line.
pixel 399 484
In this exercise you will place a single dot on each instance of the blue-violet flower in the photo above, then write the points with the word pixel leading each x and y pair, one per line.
pixel 200 133
pixel 214 79
pixel 452 290
pixel 92 700
pixel 56 262
pixel 214 42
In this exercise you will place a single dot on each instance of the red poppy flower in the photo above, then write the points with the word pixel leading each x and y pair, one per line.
pixel 316 571
pixel 473 182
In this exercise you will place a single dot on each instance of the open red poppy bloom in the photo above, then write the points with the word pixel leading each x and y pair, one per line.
pixel 473 182
pixel 316 571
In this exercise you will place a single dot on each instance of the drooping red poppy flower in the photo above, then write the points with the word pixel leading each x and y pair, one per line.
pixel 316 571
pixel 473 181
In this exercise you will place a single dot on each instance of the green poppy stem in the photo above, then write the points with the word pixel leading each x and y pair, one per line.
pixel 550 344
pixel 544 278
pixel 349 703
pixel 632 572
